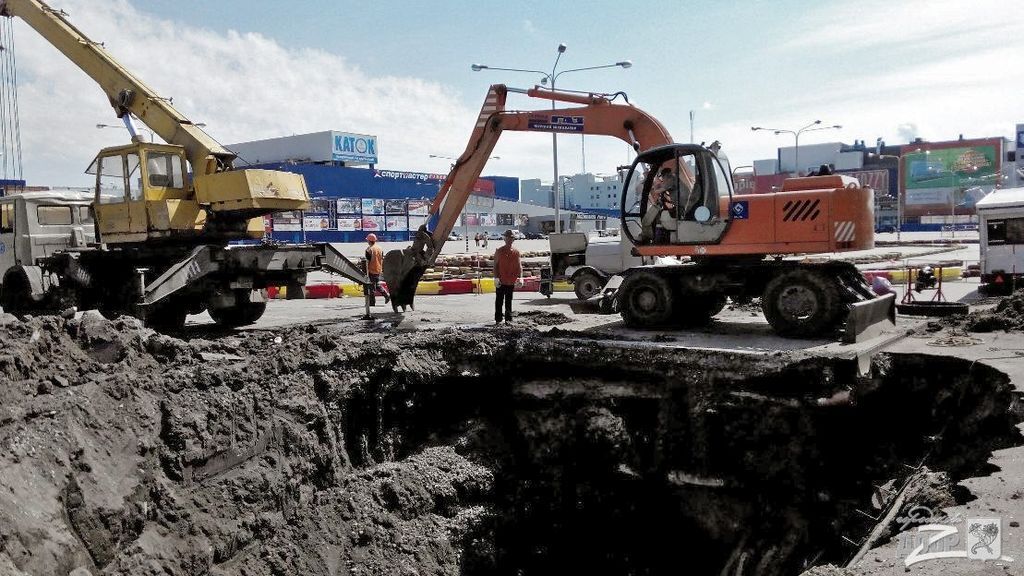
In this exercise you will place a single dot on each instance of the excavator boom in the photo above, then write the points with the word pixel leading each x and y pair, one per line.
pixel 597 114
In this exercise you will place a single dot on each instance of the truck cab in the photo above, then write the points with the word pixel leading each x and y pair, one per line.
pixel 34 225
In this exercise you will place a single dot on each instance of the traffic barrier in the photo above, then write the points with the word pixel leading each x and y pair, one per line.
pixel 424 288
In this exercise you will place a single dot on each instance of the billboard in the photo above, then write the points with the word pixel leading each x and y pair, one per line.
pixel 948 178
pixel 359 148
pixel 349 206
pixel 373 206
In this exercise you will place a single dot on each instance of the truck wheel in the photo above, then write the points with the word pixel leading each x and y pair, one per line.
pixel 800 303
pixel 167 318
pixel 16 294
pixel 241 314
pixel 587 285
pixel 645 300
pixel 697 310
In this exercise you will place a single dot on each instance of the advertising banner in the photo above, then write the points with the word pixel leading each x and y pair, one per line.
pixel 419 207
pixel 394 206
pixel 348 206
pixel 470 219
pixel 350 223
pixel 948 180
pixel 372 223
pixel 397 223
pixel 506 219
pixel 316 223
pixel 523 220
pixel 373 206
pixel 488 220
pixel 416 221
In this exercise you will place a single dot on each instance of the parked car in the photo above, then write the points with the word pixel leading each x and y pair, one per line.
pixel 494 235
pixel 518 235
pixel 885 229
pixel 454 236
pixel 536 236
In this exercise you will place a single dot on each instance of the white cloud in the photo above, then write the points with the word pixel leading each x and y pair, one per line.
pixel 244 86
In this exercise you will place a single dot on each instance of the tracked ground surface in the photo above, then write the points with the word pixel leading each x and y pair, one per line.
pixel 324 450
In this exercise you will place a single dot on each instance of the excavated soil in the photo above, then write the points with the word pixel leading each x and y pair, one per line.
pixel 323 450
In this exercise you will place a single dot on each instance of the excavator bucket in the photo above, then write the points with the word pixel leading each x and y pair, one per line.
pixel 404 268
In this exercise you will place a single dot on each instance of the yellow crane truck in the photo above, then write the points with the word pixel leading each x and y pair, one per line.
pixel 170 221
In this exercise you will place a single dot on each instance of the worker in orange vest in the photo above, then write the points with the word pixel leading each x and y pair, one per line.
pixel 374 267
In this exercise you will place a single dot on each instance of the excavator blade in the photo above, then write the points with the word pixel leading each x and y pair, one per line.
pixel 870 318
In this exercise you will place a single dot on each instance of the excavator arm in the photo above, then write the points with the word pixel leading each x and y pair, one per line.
pixel 596 114
pixel 127 94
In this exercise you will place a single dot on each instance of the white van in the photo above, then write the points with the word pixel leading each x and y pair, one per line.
pixel 1001 230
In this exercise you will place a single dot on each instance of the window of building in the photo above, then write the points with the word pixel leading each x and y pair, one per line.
pixel 54 215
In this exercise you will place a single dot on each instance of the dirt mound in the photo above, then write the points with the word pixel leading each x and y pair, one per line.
pixel 542 318
pixel 1007 315
pixel 123 451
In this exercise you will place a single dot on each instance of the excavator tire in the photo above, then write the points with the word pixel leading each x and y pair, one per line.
pixel 646 300
pixel 697 310
pixel 587 285
pixel 801 303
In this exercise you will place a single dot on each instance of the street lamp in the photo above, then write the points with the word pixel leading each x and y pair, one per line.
pixel 796 134
pixel 551 78
pixel 98 126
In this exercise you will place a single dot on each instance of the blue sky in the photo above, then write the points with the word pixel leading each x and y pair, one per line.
pixel 401 70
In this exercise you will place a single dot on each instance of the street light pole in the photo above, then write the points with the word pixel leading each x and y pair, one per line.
pixel 551 78
pixel 796 136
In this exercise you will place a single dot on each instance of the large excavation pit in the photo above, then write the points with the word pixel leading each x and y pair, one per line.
pixel 324 451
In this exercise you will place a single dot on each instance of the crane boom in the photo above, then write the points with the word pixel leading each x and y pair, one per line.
pixel 597 114
pixel 127 94
pixel 152 199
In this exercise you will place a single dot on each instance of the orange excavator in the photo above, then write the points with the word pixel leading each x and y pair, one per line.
pixel 700 241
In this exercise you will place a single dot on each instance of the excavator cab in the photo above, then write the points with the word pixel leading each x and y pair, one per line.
pixel 142 192
pixel 673 194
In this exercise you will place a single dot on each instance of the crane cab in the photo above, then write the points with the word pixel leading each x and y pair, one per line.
pixel 142 192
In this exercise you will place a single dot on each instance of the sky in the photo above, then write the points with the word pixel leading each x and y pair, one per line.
pixel 253 69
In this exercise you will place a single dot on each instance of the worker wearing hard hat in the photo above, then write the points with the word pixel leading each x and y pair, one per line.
pixel 508 274
pixel 374 268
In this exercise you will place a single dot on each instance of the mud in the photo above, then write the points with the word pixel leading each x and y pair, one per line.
pixel 1007 315
pixel 324 450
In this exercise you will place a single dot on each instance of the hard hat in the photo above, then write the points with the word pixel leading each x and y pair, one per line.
pixel 926 269
pixel 371 237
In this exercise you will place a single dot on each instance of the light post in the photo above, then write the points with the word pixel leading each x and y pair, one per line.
pixel 796 135
pixel 551 78
pixel 99 126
